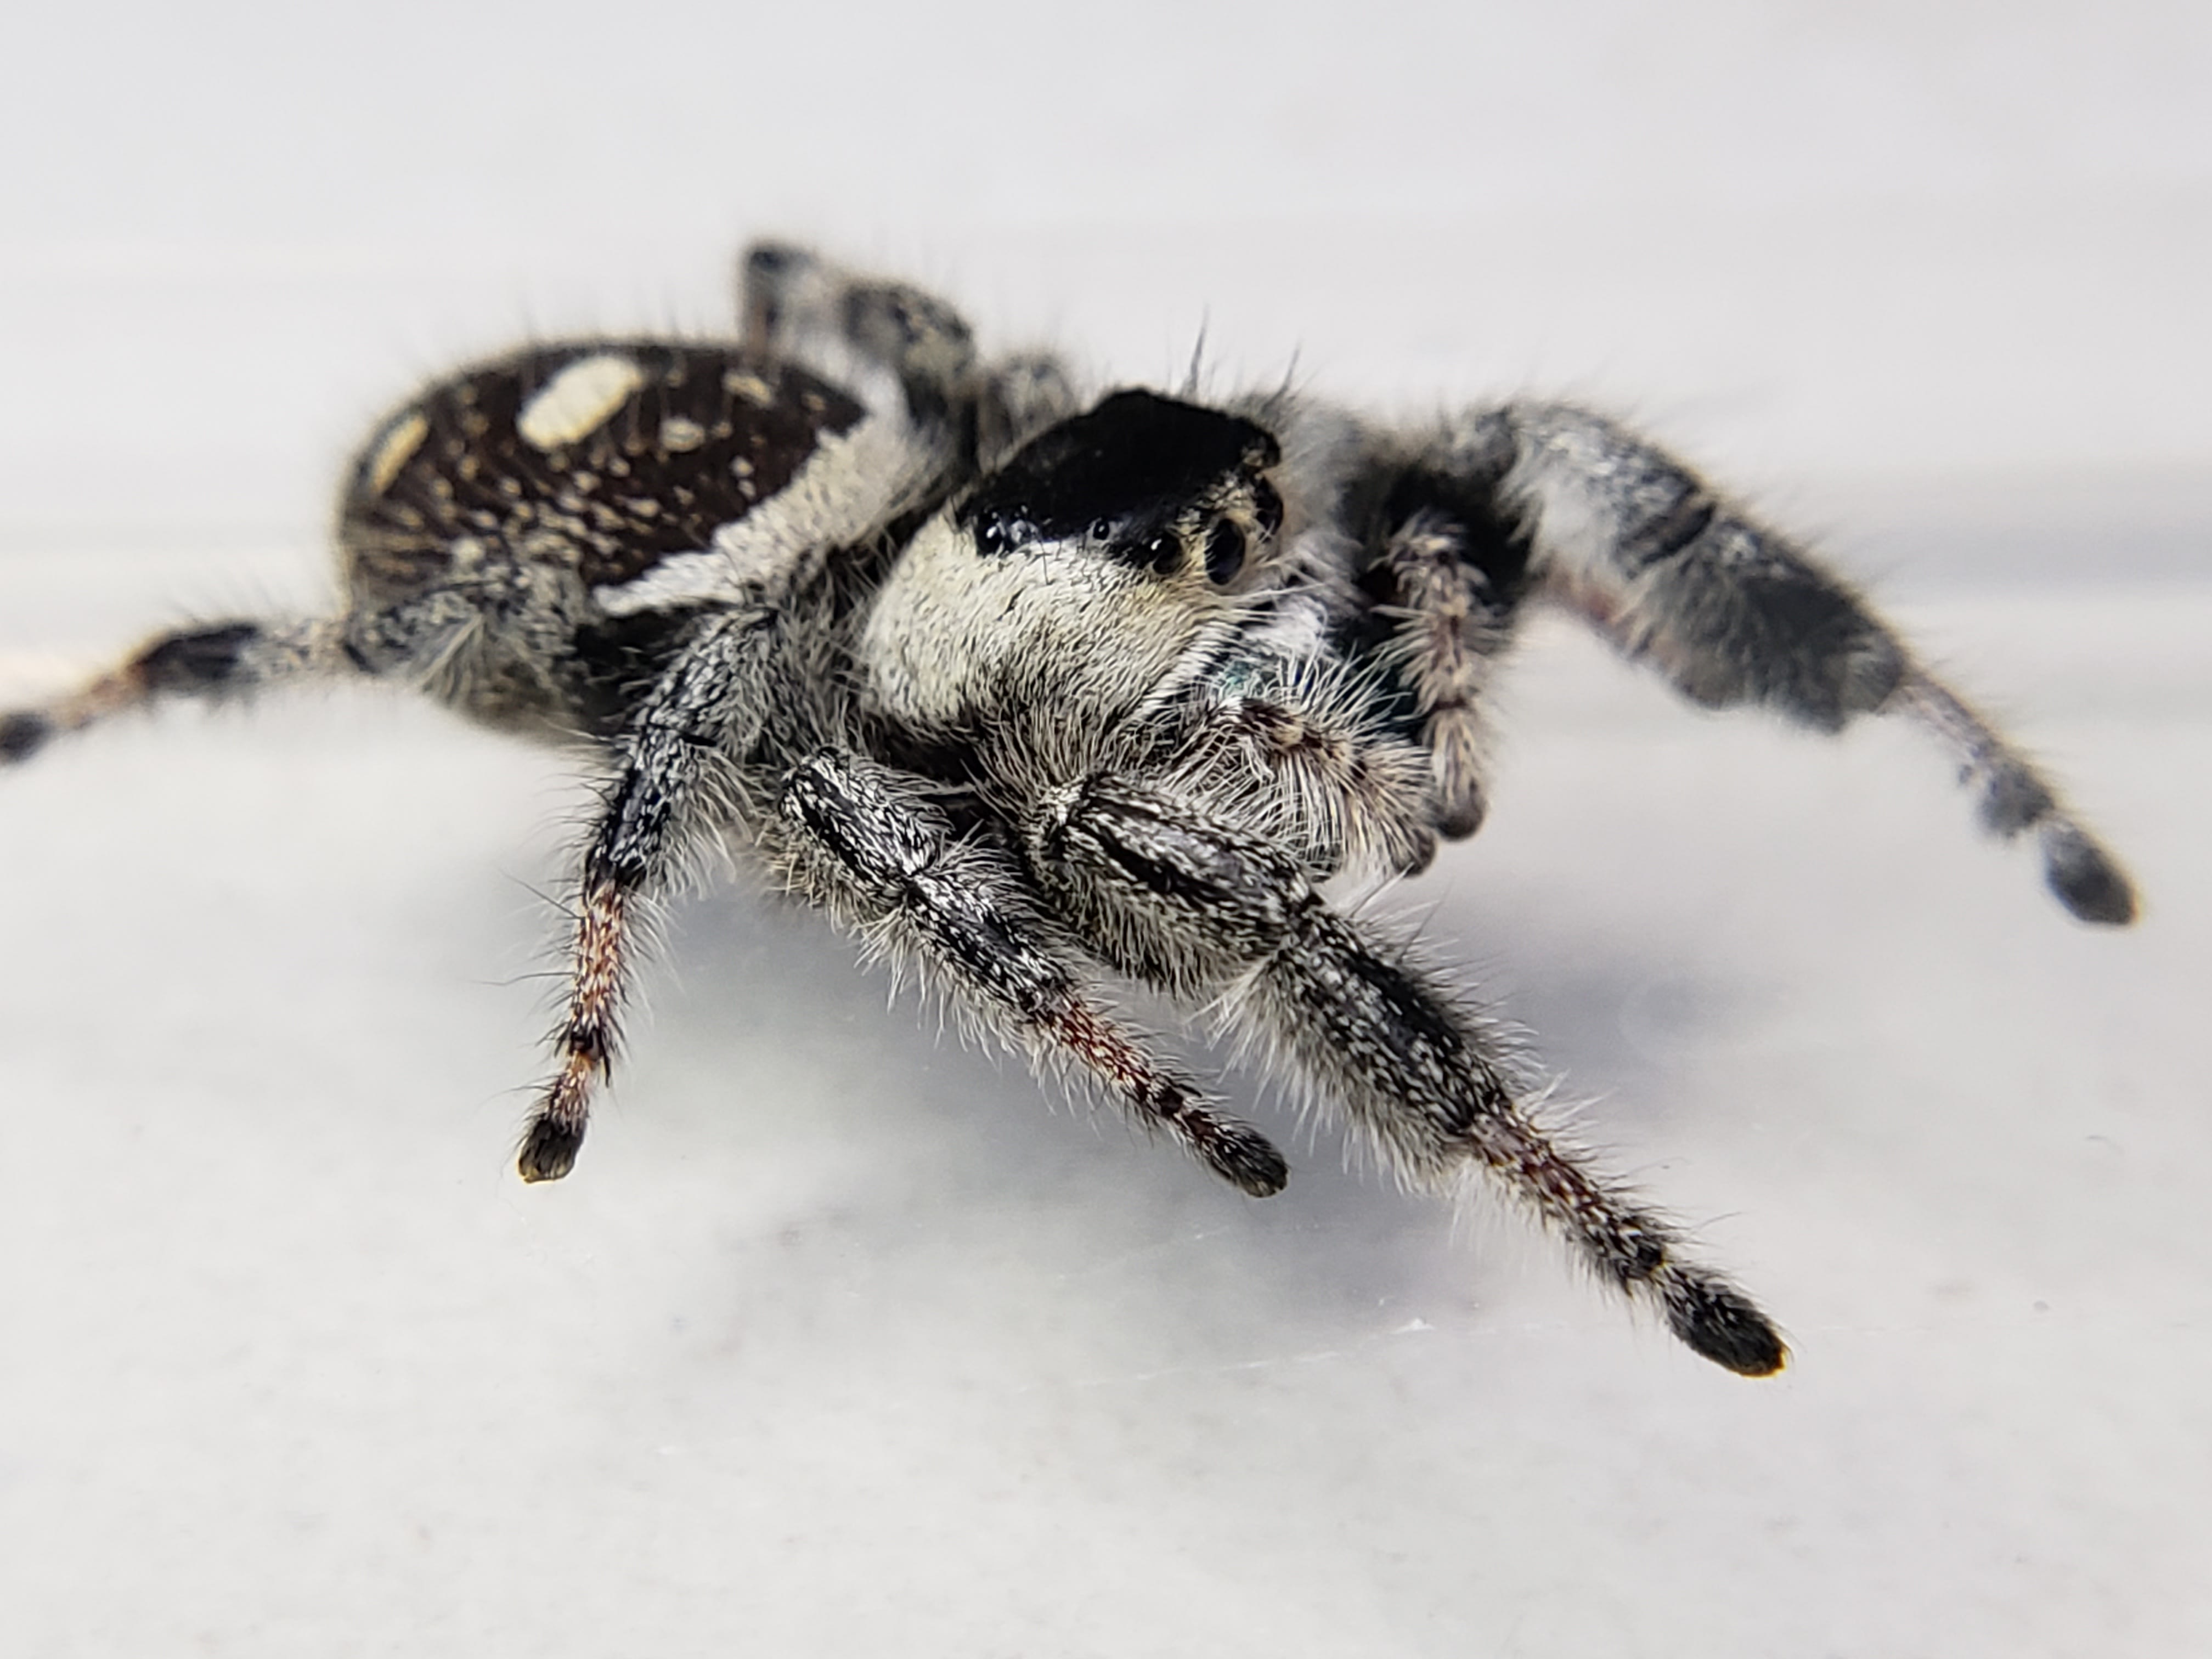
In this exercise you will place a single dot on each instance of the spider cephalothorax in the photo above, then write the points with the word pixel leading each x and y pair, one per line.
pixel 1033 694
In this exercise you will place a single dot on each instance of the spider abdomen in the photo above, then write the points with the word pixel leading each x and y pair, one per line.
pixel 603 458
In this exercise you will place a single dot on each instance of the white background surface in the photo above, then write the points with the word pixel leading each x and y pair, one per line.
pixel 838 1342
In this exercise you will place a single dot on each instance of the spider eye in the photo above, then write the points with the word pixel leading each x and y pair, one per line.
pixel 1102 530
pixel 1162 553
pixel 1224 551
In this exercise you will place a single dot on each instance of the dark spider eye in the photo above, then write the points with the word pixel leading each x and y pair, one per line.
pixel 1224 551
pixel 1162 553
pixel 1102 530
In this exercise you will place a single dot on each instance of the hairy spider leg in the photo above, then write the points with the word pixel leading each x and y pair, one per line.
pixel 1730 611
pixel 213 662
pixel 1191 901
pixel 793 303
pixel 671 797
pixel 866 844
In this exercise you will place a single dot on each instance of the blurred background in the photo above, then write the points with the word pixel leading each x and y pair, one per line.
pixel 840 1340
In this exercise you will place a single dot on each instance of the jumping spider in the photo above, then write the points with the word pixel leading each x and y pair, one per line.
pixel 1025 689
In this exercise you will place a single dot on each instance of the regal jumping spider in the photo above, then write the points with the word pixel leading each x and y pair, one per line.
pixel 1026 690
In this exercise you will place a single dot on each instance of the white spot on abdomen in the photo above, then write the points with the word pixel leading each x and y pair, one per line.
pixel 743 383
pixel 396 449
pixel 577 401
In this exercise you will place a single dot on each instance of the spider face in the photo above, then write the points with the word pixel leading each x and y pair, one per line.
pixel 1074 578
pixel 1159 485
pixel 1038 695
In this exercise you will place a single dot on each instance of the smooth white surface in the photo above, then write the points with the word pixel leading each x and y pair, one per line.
pixel 839 1341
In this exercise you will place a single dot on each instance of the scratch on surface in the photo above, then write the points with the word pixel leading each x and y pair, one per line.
pixel 1092 1269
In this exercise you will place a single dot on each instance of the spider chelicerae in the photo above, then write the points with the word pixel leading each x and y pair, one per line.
pixel 1033 692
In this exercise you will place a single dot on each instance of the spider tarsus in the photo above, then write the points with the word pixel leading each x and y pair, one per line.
pixel 22 735
pixel 1248 1161
pixel 549 1151
pixel 2084 878
pixel 1459 822
pixel 1720 1323
pixel 1231 1147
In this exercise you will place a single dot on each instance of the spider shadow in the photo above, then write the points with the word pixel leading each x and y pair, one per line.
pixel 937 1144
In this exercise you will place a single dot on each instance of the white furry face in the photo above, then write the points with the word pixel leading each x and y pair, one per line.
pixel 958 636
pixel 1075 580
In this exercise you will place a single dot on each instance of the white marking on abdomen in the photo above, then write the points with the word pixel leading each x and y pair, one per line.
pixel 577 401
pixel 397 449
pixel 843 491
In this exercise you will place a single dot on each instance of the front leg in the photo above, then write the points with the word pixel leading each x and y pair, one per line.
pixel 864 841
pixel 1735 614
pixel 1172 892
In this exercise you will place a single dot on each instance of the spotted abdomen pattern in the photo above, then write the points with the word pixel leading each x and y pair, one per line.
pixel 604 458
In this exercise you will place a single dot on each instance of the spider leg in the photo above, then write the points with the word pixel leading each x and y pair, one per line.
pixel 1444 589
pixel 225 661
pixel 1735 614
pixel 671 793
pixel 1182 897
pixel 850 325
pixel 864 841
pixel 795 303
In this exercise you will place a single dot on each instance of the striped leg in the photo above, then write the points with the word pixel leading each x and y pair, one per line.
pixel 669 797
pixel 226 661
pixel 866 844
